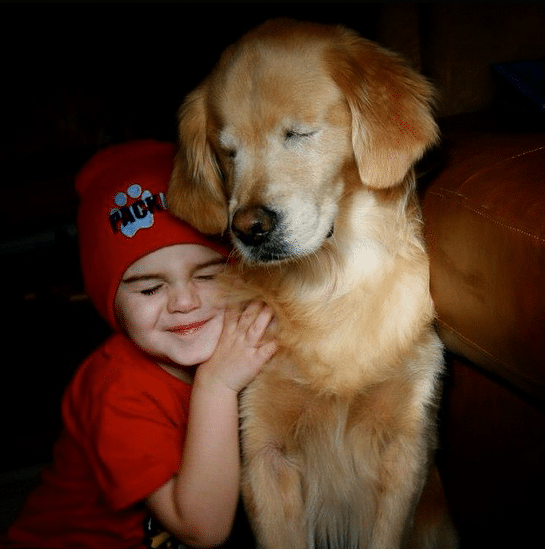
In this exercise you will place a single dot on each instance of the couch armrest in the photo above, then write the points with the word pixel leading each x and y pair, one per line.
pixel 484 219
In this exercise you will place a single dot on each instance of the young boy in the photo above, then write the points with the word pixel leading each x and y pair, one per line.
pixel 134 442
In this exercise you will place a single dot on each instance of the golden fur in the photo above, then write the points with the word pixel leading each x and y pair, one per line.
pixel 301 142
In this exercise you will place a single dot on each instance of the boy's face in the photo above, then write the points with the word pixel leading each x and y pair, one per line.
pixel 170 305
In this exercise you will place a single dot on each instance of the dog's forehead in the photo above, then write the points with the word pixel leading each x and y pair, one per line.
pixel 265 85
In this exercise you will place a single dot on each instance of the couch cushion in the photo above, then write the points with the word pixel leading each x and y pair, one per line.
pixel 484 218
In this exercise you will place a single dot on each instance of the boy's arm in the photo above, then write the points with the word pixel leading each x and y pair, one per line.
pixel 199 504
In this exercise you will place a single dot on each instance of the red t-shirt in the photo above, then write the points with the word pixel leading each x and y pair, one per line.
pixel 124 428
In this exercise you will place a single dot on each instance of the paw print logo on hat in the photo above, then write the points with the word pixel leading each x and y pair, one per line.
pixel 135 210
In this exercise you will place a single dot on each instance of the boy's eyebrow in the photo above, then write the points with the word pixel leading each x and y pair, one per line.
pixel 219 261
pixel 211 263
pixel 138 278
pixel 156 276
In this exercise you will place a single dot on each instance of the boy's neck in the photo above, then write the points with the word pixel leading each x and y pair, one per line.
pixel 185 374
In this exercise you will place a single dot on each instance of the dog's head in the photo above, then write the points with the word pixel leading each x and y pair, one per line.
pixel 293 116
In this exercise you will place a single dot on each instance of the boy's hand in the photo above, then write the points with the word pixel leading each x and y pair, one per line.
pixel 240 353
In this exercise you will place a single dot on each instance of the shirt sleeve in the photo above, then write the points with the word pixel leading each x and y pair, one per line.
pixel 132 436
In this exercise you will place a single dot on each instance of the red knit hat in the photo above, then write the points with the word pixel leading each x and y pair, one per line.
pixel 122 216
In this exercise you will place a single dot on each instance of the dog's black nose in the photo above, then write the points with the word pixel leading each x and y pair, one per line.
pixel 253 225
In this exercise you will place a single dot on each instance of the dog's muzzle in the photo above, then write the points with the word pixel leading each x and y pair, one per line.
pixel 262 237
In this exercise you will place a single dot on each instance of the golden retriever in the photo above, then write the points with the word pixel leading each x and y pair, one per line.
pixel 301 142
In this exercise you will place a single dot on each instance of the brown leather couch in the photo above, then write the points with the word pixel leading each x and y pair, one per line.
pixel 484 214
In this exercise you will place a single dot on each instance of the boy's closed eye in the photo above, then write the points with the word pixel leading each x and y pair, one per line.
pixel 151 291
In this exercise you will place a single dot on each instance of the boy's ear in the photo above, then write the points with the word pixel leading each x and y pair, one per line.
pixel 196 192
pixel 390 104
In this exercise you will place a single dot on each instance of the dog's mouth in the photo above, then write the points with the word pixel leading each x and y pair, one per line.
pixel 263 236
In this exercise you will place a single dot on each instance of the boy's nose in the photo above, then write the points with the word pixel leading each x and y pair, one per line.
pixel 183 298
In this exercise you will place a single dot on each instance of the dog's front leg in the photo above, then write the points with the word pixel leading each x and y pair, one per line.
pixel 273 500
pixel 271 476
pixel 401 479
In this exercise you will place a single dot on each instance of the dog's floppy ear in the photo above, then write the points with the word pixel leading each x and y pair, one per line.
pixel 196 186
pixel 390 104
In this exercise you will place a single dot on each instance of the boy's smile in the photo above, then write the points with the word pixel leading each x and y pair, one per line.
pixel 170 305
pixel 186 329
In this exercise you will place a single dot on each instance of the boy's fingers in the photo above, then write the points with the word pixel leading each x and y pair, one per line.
pixel 261 322
pixel 231 317
pixel 251 322
pixel 250 313
pixel 268 350
pixel 255 320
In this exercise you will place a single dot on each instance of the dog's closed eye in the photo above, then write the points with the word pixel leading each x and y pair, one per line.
pixel 292 136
